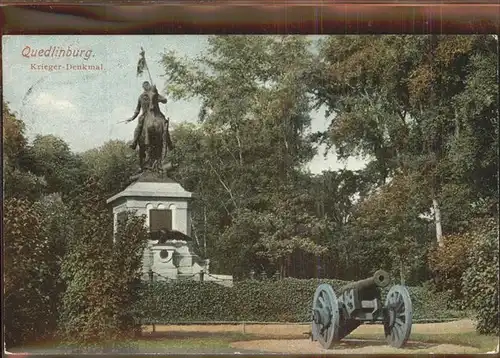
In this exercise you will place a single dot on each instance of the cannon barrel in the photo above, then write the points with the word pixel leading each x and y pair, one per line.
pixel 380 279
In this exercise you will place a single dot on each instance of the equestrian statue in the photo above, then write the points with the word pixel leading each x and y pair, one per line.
pixel 152 131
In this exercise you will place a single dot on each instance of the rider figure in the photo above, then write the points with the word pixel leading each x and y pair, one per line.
pixel 143 103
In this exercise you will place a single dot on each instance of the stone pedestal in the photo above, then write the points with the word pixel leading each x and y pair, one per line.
pixel 166 205
pixel 163 261
pixel 150 193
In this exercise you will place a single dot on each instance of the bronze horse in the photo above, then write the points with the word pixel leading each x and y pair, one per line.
pixel 153 139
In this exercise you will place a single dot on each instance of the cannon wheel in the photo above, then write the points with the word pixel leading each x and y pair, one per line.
pixel 397 325
pixel 325 324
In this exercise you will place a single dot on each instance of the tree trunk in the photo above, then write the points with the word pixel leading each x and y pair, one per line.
pixel 240 150
pixel 205 230
pixel 437 219
pixel 401 271
pixel 457 125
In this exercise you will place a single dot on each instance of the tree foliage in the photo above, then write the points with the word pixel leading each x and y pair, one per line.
pixel 111 165
pixel 19 180
pixel 387 225
pixel 480 279
pixel 101 271
pixel 31 287
pixel 250 142
pixel 51 158
pixel 448 273
pixel 406 103
pixel 14 140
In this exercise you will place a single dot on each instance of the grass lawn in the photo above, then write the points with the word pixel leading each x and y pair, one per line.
pixel 195 342
pixel 213 340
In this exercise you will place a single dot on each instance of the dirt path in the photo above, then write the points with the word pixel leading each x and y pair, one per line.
pixel 348 346
pixel 353 346
pixel 288 330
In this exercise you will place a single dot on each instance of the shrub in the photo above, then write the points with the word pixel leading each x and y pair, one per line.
pixel 29 288
pixel 101 279
pixel 288 300
pixel 480 280
pixel 449 262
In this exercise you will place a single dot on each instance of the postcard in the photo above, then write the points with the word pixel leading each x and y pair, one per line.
pixel 250 194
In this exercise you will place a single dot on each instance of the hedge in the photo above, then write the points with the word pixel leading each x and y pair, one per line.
pixel 480 280
pixel 287 300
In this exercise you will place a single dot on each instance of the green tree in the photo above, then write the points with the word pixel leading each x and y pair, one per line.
pixel 252 137
pixel 18 180
pixel 14 140
pixel 22 184
pixel 102 272
pixel 57 225
pixel 389 226
pixel 449 263
pixel 112 165
pixel 480 279
pixel 50 157
pixel 27 262
pixel 408 103
pixel 289 227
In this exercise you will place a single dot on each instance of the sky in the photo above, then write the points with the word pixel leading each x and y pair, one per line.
pixel 84 107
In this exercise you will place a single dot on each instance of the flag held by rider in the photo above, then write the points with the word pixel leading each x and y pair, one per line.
pixel 142 65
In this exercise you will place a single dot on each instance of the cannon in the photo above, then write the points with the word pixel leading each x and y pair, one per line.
pixel 333 318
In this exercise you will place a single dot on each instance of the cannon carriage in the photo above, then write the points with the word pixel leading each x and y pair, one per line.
pixel 333 318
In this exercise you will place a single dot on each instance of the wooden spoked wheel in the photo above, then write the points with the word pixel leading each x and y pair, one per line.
pixel 398 318
pixel 325 320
